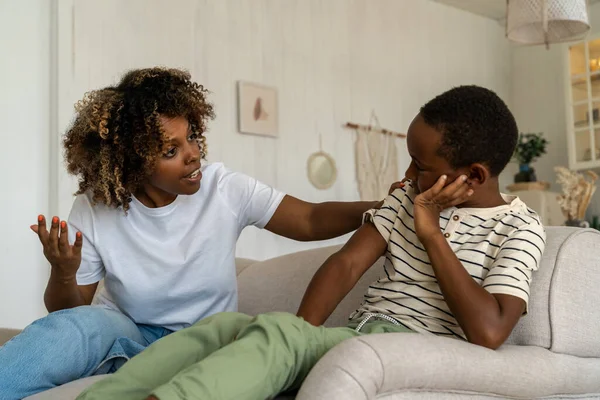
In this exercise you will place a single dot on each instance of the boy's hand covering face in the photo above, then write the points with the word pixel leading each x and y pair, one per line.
pixel 429 204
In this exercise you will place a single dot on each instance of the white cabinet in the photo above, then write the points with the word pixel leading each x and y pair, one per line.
pixel 583 104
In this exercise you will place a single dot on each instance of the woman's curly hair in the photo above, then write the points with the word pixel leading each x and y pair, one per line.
pixel 116 136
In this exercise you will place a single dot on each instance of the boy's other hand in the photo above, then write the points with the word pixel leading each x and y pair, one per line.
pixel 63 257
pixel 429 204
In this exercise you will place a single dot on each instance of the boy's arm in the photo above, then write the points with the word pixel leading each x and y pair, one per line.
pixel 338 275
pixel 487 319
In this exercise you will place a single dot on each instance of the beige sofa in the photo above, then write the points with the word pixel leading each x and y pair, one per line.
pixel 554 352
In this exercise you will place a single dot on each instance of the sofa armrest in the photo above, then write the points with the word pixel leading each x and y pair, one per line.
pixel 372 365
pixel 7 334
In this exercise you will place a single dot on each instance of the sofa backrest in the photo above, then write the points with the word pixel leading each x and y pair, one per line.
pixel 278 284
pixel 564 307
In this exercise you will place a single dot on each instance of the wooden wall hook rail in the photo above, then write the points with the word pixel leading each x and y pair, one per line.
pixel 352 125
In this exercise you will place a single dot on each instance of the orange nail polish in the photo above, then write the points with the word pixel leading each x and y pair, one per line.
pixel 40 218
pixel 55 220
pixel 63 225
pixel 78 234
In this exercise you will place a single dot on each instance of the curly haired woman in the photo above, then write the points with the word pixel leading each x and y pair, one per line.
pixel 158 226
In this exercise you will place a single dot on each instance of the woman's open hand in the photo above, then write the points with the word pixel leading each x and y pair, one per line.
pixel 62 256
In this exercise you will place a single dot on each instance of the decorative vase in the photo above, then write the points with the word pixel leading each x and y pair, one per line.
pixel 526 174
pixel 577 223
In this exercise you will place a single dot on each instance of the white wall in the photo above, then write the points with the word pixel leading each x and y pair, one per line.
pixel 539 101
pixel 24 139
pixel 332 61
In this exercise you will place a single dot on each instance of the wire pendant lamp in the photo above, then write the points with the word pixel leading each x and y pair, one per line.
pixel 546 21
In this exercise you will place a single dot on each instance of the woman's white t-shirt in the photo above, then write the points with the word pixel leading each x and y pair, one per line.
pixel 174 265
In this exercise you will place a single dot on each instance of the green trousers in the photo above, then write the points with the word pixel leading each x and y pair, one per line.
pixel 228 356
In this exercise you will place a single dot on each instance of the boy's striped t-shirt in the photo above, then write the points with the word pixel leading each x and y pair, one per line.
pixel 500 247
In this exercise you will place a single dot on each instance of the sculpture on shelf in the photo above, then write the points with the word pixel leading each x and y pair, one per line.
pixel 577 191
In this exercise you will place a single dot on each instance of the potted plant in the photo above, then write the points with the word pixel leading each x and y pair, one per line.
pixel 530 146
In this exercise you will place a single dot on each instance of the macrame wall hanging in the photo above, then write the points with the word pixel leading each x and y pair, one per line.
pixel 376 158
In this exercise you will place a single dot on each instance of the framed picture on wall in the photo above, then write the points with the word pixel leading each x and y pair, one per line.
pixel 257 109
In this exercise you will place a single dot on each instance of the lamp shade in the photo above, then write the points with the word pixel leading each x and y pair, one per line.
pixel 546 21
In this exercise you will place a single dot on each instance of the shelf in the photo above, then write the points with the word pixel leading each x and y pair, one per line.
pixel 580 80
pixel 579 165
pixel 579 103
pixel 516 187
pixel 583 126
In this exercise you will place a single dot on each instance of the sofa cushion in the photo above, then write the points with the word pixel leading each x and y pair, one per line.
pixel 69 391
pixel 382 365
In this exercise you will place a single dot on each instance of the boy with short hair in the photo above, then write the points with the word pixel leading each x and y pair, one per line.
pixel 459 263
